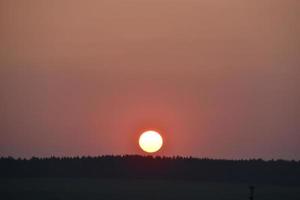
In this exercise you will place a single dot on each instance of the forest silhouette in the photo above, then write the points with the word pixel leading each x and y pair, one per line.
pixel 251 171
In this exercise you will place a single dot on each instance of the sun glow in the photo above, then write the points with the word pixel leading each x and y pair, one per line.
pixel 150 141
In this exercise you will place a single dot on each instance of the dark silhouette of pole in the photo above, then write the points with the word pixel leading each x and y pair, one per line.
pixel 251 192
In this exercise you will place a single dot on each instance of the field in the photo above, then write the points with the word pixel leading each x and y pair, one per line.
pixel 88 189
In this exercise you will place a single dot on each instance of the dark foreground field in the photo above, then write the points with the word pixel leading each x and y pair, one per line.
pixel 82 188
pixel 136 177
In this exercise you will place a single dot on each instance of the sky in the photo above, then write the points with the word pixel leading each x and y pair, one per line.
pixel 218 79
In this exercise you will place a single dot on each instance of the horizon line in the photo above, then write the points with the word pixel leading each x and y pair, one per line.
pixel 148 156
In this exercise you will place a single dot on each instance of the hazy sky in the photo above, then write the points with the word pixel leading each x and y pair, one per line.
pixel 218 78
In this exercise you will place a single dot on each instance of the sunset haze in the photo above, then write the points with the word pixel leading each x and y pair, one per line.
pixel 216 79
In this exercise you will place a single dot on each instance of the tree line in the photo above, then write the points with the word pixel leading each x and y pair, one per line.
pixel 251 171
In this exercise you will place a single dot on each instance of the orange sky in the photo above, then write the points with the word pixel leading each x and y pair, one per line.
pixel 218 78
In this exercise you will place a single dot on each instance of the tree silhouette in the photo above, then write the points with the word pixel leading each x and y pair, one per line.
pixel 134 166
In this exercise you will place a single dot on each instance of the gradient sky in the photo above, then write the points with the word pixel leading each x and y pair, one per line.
pixel 218 78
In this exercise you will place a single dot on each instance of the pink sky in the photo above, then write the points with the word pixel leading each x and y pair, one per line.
pixel 218 78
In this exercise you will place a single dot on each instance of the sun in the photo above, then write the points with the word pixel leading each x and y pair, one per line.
pixel 150 141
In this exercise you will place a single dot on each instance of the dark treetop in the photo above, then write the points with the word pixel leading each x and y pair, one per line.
pixel 134 166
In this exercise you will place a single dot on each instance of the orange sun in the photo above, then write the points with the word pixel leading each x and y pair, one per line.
pixel 150 141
